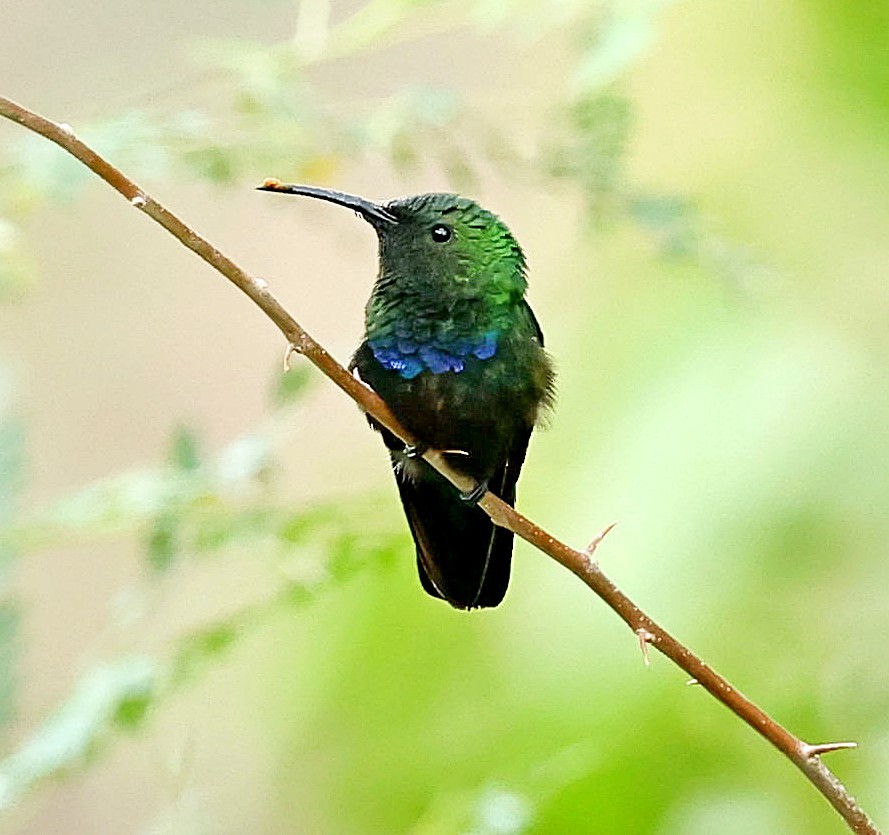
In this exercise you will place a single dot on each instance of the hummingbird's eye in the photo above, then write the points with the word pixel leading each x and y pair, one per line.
pixel 441 234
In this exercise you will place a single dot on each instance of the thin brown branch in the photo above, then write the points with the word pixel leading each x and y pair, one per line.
pixel 804 756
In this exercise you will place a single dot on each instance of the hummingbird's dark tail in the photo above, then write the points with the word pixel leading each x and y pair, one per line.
pixel 462 557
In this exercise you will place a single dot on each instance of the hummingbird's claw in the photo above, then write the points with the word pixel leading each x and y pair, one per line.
pixel 414 450
pixel 474 496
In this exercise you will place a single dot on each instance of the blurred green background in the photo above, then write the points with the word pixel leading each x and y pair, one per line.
pixel 212 622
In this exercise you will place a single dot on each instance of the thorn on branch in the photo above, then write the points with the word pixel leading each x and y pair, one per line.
pixel 692 682
pixel 811 751
pixel 289 351
pixel 590 550
pixel 645 638
pixel 64 127
pixel 138 201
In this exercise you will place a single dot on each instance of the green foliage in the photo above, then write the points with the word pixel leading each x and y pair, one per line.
pixel 291 385
pixel 185 453
pixel 267 108
pixel 111 696
pixel 672 220
pixel 204 646
pixel 598 128
pixel 162 544
pixel 190 509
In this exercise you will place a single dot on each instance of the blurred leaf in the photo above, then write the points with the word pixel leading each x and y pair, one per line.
pixel 369 26
pixel 105 697
pixel 292 385
pixel 399 126
pixel 679 232
pixel 132 709
pixel 597 130
pixel 297 527
pixel 43 172
pixel 160 498
pixel 185 450
pixel 623 33
pixel 137 140
pixel 265 74
pixel 244 459
pixel 223 525
pixel 458 168
pixel 672 219
pixel 111 505
pixel 203 646
pixel 162 542
pixel 213 163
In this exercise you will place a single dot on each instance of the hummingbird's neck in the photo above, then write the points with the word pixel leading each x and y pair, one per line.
pixel 418 335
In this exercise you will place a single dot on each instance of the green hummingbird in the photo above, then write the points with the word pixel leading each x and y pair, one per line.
pixel 456 353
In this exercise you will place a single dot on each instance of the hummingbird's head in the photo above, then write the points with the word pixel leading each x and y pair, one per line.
pixel 452 243
pixel 440 243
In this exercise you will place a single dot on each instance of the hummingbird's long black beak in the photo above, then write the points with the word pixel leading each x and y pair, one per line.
pixel 373 213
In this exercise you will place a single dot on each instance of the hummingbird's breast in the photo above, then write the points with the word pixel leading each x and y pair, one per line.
pixel 413 333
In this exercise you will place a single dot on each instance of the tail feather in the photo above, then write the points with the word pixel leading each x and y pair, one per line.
pixel 462 557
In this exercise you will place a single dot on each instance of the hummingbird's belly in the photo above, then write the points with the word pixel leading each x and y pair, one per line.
pixel 473 417
pixel 479 411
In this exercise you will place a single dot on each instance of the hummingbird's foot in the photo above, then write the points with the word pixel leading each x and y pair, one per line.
pixel 414 450
pixel 474 496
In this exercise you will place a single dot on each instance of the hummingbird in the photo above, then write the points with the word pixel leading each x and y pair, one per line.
pixel 455 351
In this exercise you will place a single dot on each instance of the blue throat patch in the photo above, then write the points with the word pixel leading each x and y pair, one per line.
pixel 410 358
